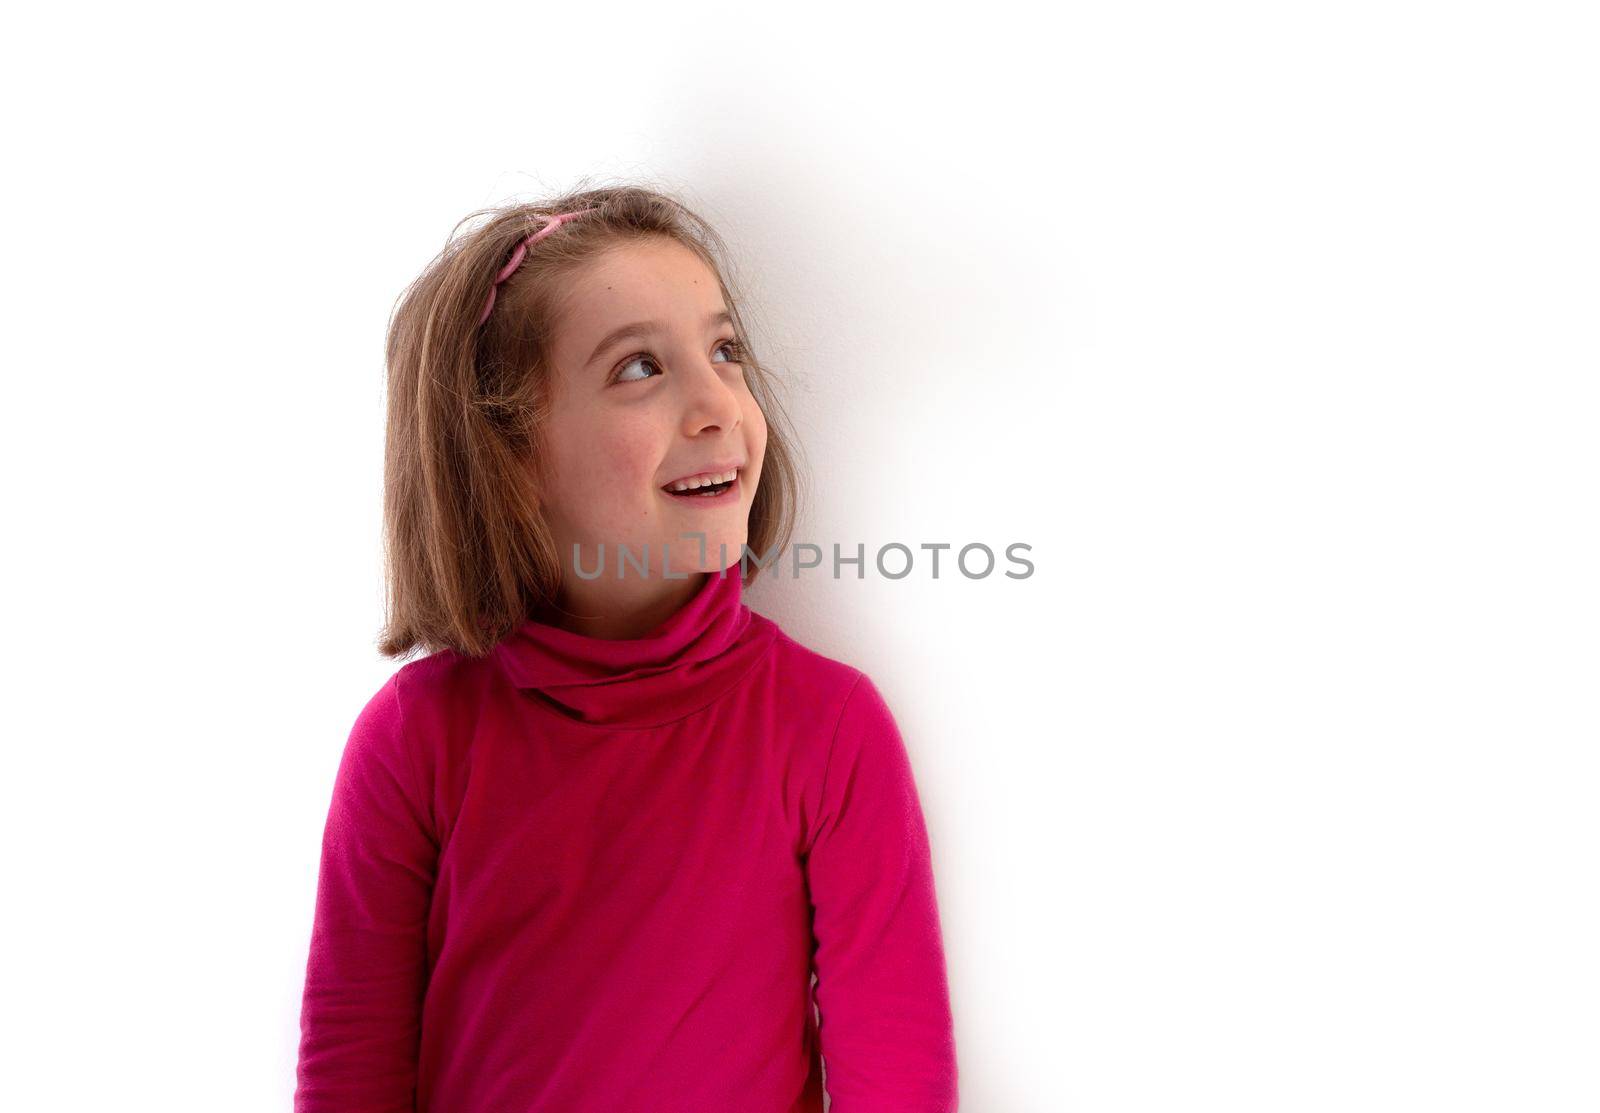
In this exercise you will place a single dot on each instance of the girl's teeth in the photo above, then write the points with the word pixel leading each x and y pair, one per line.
pixel 703 481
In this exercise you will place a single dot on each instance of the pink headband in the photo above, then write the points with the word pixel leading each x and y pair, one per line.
pixel 522 249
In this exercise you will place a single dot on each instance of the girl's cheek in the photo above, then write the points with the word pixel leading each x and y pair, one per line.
pixel 758 427
pixel 617 472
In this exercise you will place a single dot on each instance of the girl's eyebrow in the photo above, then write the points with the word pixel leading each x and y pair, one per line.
pixel 646 328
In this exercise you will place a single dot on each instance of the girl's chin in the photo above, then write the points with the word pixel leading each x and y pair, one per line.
pixel 686 556
pixel 681 555
pixel 696 547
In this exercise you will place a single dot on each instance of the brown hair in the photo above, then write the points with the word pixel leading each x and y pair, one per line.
pixel 468 553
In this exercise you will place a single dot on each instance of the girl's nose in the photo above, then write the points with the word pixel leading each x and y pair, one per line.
pixel 710 402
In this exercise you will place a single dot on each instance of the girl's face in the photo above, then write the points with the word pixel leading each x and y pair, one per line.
pixel 633 411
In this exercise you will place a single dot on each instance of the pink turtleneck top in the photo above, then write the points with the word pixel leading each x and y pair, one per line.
pixel 652 875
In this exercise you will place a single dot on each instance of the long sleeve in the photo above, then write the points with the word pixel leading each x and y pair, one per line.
pixel 886 1030
pixel 360 1017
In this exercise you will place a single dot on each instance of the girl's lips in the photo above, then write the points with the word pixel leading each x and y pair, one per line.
pixel 731 494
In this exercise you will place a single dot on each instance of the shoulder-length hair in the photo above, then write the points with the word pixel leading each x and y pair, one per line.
pixel 468 553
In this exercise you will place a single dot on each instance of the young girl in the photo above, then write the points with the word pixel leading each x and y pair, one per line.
pixel 591 853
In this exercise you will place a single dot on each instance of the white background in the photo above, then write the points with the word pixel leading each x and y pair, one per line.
pixel 1270 327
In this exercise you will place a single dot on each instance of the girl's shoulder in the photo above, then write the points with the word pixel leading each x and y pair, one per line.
pixel 799 659
pixel 809 678
pixel 443 681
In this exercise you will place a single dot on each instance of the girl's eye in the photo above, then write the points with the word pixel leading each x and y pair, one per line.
pixel 622 378
pixel 733 347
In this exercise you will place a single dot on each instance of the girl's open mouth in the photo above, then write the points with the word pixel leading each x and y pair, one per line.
pixel 715 494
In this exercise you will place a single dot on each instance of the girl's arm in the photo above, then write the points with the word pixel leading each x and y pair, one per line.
pixel 887 1037
pixel 360 1018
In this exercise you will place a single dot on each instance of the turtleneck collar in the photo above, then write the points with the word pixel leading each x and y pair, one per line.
pixel 680 666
